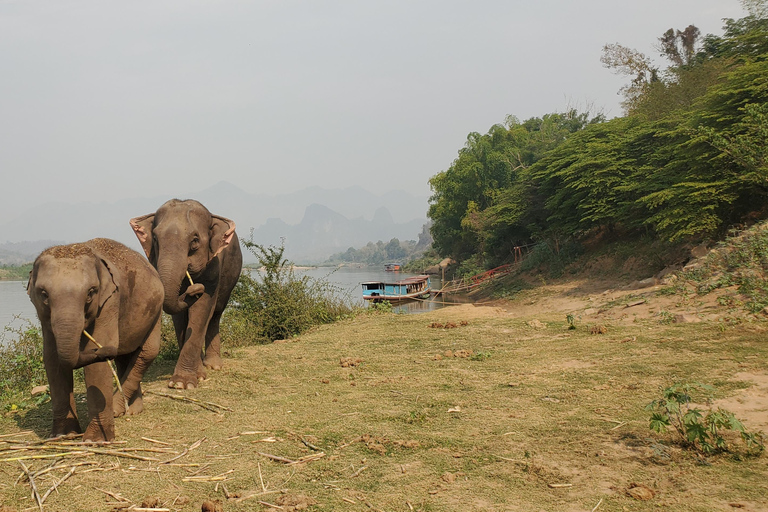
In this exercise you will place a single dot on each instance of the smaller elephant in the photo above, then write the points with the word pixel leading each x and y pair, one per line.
pixel 97 300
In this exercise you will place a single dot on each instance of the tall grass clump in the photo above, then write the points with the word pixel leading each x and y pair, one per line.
pixel 276 303
pixel 21 364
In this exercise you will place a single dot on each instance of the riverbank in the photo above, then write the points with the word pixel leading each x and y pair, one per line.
pixel 464 408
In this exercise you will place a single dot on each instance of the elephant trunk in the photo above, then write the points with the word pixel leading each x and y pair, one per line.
pixel 172 274
pixel 68 329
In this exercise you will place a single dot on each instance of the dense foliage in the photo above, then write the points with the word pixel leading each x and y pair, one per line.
pixel 21 365
pixel 686 162
pixel 275 303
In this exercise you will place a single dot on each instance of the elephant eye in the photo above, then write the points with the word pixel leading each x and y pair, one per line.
pixel 195 244
pixel 91 293
pixel 44 295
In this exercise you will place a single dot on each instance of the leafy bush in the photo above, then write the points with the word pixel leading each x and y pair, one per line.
pixel 698 430
pixel 277 303
pixel 21 363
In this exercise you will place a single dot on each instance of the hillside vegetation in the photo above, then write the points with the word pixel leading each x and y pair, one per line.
pixel 686 163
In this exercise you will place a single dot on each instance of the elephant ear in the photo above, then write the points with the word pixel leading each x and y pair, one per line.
pixel 221 233
pixel 107 285
pixel 142 228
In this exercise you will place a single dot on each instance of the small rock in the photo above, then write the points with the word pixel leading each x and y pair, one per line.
pixel 684 318
pixel 38 390
pixel 590 311
pixel 537 324
pixel 640 492
pixel 448 477
pixel 212 506
pixel 150 503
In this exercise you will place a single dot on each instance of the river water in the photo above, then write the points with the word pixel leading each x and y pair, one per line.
pixel 16 309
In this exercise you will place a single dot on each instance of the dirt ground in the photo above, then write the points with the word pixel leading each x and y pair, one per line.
pixel 497 407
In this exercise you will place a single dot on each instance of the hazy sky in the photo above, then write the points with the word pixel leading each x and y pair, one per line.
pixel 111 100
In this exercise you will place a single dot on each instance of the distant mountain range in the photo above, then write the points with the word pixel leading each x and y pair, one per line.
pixel 314 222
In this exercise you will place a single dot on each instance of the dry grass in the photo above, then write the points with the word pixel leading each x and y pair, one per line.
pixel 526 417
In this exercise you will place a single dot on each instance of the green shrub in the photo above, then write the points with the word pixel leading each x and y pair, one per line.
pixel 21 364
pixel 698 430
pixel 275 303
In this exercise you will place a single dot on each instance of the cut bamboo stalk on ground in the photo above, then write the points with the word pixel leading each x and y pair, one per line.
pixel 33 485
pixel 211 406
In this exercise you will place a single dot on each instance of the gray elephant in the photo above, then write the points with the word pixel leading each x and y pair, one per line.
pixel 198 257
pixel 96 300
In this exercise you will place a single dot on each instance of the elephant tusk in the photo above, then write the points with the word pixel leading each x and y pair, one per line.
pixel 111 367
pixel 191 282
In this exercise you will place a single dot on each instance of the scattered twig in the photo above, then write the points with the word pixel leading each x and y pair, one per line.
pixel 197 443
pixel 598 504
pixel 46 456
pixel 357 473
pixel 186 451
pixel 619 425
pixel 559 486
pixel 211 406
pixel 204 478
pixel 22 433
pixel 263 487
pixel 277 458
pixel 310 445
pixel 351 443
pixel 278 507
pixel 33 485
pixel 310 458
pixel 349 501
pixel 57 484
pixel 117 496
pixel 150 440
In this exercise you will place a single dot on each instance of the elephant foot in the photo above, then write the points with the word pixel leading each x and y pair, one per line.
pixel 65 427
pixel 185 381
pixel 213 361
pixel 136 406
pixel 98 431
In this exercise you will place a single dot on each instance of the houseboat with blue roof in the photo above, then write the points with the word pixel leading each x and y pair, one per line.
pixel 417 287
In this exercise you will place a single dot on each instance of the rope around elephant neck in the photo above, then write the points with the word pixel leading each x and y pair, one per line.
pixel 111 367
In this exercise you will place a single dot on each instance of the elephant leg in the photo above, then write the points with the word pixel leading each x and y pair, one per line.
pixel 212 358
pixel 180 321
pixel 137 364
pixel 60 385
pixel 189 368
pixel 122 363
pixel 98 384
